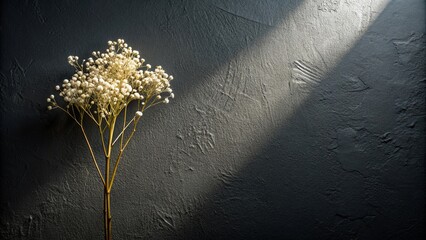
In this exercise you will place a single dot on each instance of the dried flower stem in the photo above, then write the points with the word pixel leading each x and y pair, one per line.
pixel 93 155
pixel 102 88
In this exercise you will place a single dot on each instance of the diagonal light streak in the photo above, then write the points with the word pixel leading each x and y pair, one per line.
pixel 263 86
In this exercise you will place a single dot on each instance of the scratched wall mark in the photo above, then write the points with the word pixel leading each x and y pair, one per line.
pixel 165 219
pixel 15 80
pixel 411 50
pixel 29 227
pixel 256 12
pixel 197 139
pixel 232 84
pixel 192 142
pixel 37 10
pixel 354 84
pixel 305 75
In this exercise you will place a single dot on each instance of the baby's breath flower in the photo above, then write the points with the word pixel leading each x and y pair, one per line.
pixel 107 82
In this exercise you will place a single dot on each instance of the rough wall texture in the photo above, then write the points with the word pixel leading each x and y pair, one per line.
pixel 292 120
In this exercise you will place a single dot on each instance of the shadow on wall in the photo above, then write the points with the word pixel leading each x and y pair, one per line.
pixel 43 155
pixel 349 162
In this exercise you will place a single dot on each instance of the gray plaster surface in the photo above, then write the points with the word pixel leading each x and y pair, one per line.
pixel 292 120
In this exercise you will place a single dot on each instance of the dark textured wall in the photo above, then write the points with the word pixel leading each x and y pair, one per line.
pixel 292 120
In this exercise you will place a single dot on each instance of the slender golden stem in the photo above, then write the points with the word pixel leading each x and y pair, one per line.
pixel 101 133
pixel 69 114
pixel 107 190
pixel 117 162
pixel 124 126
pixel 93 155
pixel 114 172
pixel 122 132
pixel 90 115
pixel 106 235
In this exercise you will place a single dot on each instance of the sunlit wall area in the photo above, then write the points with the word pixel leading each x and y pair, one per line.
pixel 292 120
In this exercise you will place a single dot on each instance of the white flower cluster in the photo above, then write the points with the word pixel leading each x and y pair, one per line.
pixel 107 82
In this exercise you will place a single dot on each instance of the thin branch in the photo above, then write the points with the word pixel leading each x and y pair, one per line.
pixel 108 156
pixel 90 115
pixel 101 133
pixel 135 123
pixel 93 155
pixel 69 114
pixel 124 126
pixel 122 132
pixel 152 104
pixel 114 172
pixel 121 152
pixel 73 112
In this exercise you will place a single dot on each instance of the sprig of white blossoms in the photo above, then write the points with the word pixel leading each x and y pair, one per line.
pixel 107 82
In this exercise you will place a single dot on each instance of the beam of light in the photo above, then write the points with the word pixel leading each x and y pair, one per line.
pixel 261 87
pixel 280 77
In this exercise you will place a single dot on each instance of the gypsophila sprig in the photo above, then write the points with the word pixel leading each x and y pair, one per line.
pixel 102 88
pixel 107 82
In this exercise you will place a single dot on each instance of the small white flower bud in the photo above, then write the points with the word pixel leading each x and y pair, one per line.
pixel 139 113
pixel 48 100
pixel 52 96
pixel 166 101
pixel 148 66
pixel 57 87
pixel 172 95
pixel 49 107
